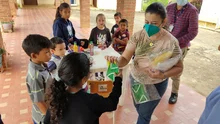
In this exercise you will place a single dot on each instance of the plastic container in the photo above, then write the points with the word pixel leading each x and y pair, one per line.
pixel 91 47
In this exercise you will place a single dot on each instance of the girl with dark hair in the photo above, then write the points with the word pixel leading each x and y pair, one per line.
pixel 63 27
pixel 69 103
pixel 157 57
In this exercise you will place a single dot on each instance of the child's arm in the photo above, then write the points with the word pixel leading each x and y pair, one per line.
pixel 109 38
pixel 91 37
pixel 58 31
pixel 51 66
pixel 74 38
pixel 42 106
pixel 125 40
pixel 112 30
pixel 100 104
pixel 47 117
pixel 37 87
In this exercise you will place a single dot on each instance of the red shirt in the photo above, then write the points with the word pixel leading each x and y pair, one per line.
pixel 121 35
pixel 185 22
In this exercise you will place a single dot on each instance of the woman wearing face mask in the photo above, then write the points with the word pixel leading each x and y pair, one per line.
pixel 151 45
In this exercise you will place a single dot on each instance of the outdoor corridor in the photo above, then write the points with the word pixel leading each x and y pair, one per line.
pixel 15 103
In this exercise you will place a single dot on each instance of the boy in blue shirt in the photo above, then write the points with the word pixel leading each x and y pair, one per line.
pixel 58 50
pixel 38 78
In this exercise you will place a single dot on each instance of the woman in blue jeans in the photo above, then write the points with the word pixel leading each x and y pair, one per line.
pixel 157 57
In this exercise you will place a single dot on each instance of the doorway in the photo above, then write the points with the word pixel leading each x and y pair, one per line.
pixel 73 2
pixel 30 2
pixel 95 3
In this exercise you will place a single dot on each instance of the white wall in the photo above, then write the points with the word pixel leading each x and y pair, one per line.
pixel 78 2
pixel 138 5
pixel 107 4
pixel 112 4
pixel 210 11
pixel 45 2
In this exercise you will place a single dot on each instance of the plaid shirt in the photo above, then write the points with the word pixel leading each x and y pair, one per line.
pixel 185 22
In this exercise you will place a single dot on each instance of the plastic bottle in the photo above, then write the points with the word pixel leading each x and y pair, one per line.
pixel 91 47
pixel 75 47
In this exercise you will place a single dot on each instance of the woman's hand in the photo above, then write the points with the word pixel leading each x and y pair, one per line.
pixel 112 59
pixel 156 74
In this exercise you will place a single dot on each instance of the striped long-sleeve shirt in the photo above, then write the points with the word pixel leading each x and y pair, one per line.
pixel 185 22
pixel 38 81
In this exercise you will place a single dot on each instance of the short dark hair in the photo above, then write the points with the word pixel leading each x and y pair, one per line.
pixel 123 21
pixel 117 14
pixel 34 43
pixel 156 8
pixel 55 41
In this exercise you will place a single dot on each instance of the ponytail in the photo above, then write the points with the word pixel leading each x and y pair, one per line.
pixel 57 101
pixel 60 8
pixel 58 15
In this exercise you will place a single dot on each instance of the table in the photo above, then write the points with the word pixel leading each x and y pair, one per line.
pixel 100 65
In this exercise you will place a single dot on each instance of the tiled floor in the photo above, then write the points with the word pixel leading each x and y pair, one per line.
pixel 15 104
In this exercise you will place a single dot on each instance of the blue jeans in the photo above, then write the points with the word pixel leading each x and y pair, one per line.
pixel 145 110
pixel 34 122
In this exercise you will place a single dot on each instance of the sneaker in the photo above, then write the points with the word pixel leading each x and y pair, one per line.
pixel 173 98
pixel 102 77
pixel 98 78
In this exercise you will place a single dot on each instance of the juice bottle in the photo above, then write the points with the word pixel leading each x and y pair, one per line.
pixel 91 47
pixel 75 47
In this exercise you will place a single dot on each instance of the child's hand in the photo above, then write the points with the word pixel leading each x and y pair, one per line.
pixel 119 74
pixel 82 43
pixel 117 39
pixel 125 39
pixel 100 46
pixel 104 47
pixel 71 39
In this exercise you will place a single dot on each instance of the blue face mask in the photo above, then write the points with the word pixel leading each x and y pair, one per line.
pixel 181 2
pixel 151 29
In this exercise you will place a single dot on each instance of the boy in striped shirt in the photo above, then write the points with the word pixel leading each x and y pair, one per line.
pixel 38 78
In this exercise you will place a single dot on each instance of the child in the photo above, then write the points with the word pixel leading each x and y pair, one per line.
pixel 58 50
pixel 38 78
pixel 63 27
pixel 211 112
pixel 101 37
pixel 121 37
pixel 117 17
pixel 69 103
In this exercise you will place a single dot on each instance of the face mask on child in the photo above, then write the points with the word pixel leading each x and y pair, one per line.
pixel 181 2
pixel 151 29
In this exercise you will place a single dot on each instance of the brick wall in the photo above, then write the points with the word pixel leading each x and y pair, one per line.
pixel 85 13
pixel 120 6
pixel 5 12
pixel 127 8
pixel 12 4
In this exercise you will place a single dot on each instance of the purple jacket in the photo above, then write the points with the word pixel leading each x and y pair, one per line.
pixel 185 23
